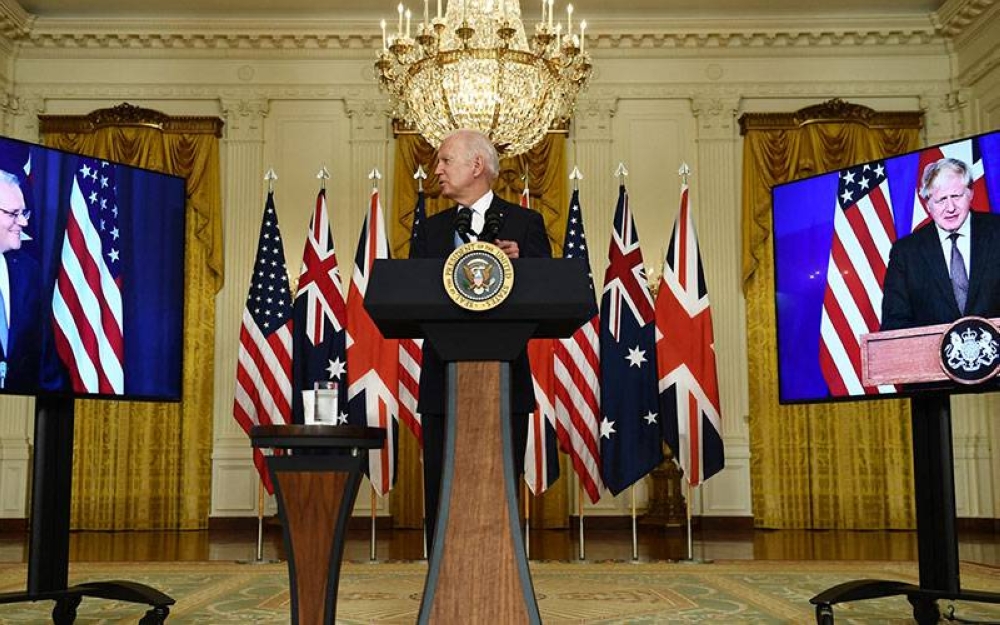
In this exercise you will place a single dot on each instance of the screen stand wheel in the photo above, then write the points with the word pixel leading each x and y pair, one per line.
pixel 937 540
pixel 48 542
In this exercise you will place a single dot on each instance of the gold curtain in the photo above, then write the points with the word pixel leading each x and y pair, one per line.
pixel 143 465
pixel 845 465
pixel 545 165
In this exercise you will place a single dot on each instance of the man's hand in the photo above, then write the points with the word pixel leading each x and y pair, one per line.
pixel 509 248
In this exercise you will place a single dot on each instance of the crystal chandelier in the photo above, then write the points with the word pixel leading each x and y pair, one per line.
pixel 473 68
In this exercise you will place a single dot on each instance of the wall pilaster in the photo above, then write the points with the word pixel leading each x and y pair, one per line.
pixel 591 150
pixel 715 200
pixel 234 480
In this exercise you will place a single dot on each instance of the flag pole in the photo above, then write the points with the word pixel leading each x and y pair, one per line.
pixel 635 526
pixel 420 175
pixel 576 176
pixel 579 514
pixel 687 511
pixel 372 554
pixel 423 503
pixel 620 173
pixel 690 537
pixel 260 520
pixel 527 519
pixel 323 175
pixel 259 555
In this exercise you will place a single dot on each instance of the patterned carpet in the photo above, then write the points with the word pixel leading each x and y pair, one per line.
pixel 607 592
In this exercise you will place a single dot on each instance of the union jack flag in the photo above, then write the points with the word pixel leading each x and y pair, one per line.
pixel 685 356
pixel 852 303
pixel 577 377
pixel 372 361
pixel 264 362
pixel 87 301
pixel 320 315
pixel 631 430
pixel 541 455
pixel 411 355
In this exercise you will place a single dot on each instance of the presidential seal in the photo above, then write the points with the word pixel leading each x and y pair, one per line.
pixel 478 276
pixel 970 350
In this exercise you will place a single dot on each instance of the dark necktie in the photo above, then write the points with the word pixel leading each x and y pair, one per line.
pixel 959 278
pixel 463 225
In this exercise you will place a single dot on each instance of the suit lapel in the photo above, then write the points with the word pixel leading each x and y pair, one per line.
pixel 441 238
pixel 936 268
pixel 978 248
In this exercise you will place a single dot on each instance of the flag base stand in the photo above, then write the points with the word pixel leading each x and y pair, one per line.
pixel 694 561
pixel 259 557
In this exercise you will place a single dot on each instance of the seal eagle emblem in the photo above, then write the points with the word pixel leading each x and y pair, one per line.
pixel 970 350
pixel 478 276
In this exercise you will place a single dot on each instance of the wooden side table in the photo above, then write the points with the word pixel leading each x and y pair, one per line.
pixel 315 482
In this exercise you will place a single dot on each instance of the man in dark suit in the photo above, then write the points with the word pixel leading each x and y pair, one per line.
pixel 468 166
pixel 20 301
pixel 947 269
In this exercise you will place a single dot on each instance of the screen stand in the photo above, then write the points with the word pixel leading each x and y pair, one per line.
pixel 48 542
pixel 937 540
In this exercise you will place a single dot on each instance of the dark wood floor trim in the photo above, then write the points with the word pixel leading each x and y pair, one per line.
pixel 13 526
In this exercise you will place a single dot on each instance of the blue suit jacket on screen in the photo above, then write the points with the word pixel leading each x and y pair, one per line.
pixel 917 289
pixel 25 336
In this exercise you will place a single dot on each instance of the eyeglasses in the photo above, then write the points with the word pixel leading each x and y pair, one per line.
pixel 26 213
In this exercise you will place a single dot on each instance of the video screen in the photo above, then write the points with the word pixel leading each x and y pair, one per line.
pixel 91 276
pixel 905 242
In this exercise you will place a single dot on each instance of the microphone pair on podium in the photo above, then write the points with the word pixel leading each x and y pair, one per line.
pixel 491 225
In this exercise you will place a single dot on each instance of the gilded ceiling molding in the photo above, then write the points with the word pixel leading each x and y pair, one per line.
pixel 15 22
pixel 313 42
pixel 126 114
pixel 248 36
pixel 611 92
pixel 835 110
pixel 956 17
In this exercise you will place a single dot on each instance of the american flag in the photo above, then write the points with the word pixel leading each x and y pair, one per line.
pixel 969 153
pixel 577 376
pixel 87 300
pixel 631 429
pixel 372 361
pixel 320 316
pixel 264 363
pixel 852 304
pixel 411 356
pixel 685 356
pixel 541 455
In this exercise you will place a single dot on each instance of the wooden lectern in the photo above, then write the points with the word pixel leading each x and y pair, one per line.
pixel 911 357
pixel 478 571
pixel 316 485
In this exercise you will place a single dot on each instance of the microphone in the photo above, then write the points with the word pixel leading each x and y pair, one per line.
pixel 491 226
pixel 463 222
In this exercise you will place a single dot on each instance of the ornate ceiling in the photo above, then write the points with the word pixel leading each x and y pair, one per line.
pixel 306 8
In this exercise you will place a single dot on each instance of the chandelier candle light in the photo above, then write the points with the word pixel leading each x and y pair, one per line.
pixel 472 67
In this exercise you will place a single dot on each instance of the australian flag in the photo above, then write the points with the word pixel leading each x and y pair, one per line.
pixel 631 431
pixel 320 317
